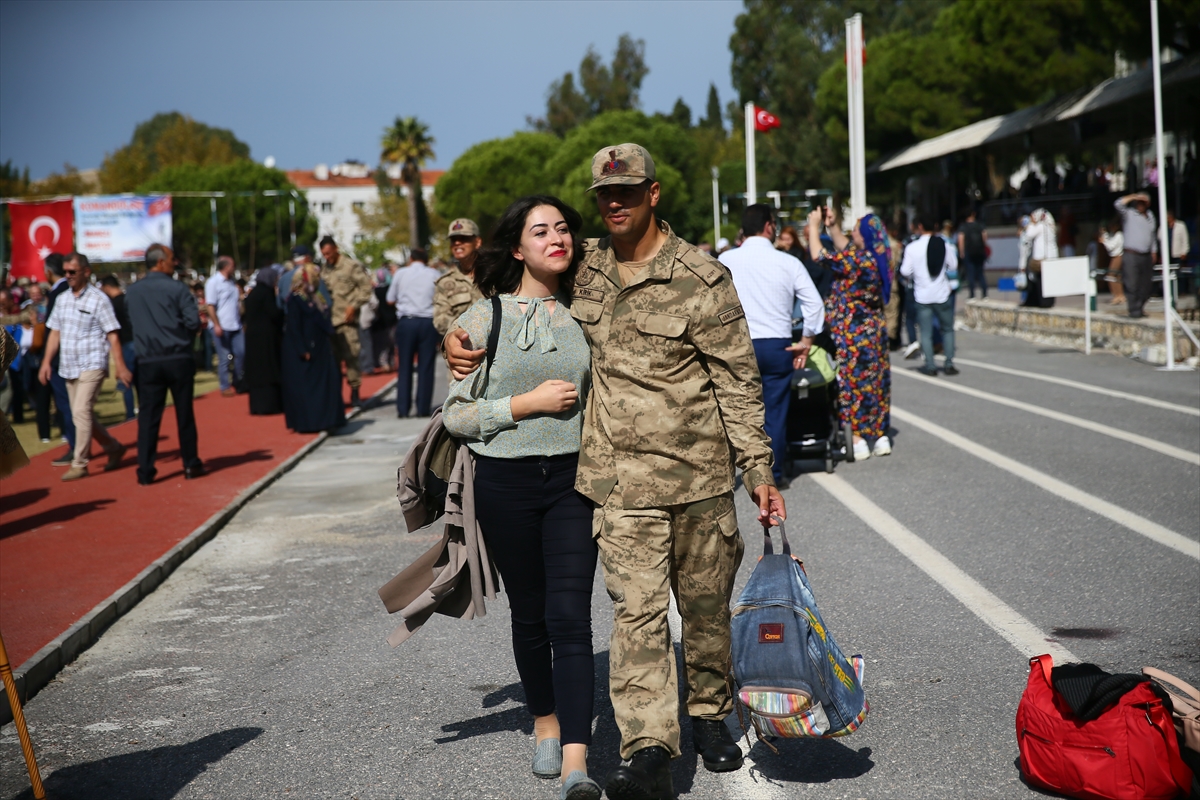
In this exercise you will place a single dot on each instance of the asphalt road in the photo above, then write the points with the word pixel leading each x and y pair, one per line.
pixel 259 669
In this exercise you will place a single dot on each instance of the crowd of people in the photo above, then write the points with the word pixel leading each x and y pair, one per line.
pixel 284 338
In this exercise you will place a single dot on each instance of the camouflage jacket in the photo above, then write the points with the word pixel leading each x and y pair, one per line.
pixel 676 395
pixel 454 294
pixel 349 285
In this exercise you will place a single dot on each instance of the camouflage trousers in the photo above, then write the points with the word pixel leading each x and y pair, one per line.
pixel 345 350
pixel 693 550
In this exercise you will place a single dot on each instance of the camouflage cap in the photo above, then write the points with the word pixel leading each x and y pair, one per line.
pixel 463 227
pixel 623 164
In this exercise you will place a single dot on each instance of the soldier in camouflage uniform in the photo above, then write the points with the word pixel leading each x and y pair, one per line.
pixel 456 290
pixel 676 398
pixel 350 287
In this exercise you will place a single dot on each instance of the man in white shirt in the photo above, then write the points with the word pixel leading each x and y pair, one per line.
pixel 768 282
pixel 1177 232
pixel 926 261
pixel 83 330
pixel 412 293
pixel 221 295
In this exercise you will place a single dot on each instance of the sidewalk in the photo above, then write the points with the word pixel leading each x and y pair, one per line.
pixel 66 548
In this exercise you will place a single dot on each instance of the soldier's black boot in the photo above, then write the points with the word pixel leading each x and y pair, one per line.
pixel 354 396
pixel 648 777
pixel 715 745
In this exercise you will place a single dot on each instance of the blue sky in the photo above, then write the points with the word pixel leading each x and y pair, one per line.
pixel 311 82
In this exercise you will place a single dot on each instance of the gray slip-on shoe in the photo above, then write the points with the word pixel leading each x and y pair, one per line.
pixel 547 759
pixel 580 787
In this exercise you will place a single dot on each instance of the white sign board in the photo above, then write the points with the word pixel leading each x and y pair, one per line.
pixel 1062 277
pixel 120 228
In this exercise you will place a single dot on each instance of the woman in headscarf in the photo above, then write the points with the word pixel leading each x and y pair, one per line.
pixel 862 285
pixel 263 323
pixel 312 381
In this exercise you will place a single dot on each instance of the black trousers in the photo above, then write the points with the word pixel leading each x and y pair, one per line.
pixel 1137 269
pixel 415 335
pixel 154 380
pixel 538 531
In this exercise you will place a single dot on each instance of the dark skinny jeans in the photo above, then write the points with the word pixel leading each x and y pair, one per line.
pixel 538 531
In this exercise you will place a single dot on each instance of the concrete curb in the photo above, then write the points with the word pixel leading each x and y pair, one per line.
pixel 40 668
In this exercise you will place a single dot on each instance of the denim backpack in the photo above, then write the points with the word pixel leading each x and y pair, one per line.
pixel 787 669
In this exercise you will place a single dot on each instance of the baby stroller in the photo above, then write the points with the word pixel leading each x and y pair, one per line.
pixel 813 431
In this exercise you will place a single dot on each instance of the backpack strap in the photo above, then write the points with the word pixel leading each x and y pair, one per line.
pixel 768 547
pixel 494 334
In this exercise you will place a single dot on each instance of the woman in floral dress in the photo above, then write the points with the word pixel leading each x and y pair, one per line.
pixel 855 319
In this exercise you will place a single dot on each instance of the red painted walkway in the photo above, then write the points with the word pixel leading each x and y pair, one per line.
pixel 65 547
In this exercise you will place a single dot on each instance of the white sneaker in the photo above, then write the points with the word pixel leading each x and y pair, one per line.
pixel 911 350
pixel 883 446
pixel 862 451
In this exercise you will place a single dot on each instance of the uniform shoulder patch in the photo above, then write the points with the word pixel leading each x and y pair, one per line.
pixel 706 268
pixel 731 315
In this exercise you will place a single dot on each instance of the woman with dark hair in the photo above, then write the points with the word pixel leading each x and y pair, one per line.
pixel 263 323
pixel 862 285
pixel 312 380
pixel 522 417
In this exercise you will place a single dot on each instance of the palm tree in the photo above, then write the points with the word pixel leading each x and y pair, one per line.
pixel 407 142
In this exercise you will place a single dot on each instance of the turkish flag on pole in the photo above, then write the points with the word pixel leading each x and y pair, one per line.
pixel 764 120
pixel 39 229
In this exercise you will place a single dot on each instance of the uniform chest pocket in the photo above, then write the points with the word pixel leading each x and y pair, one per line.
pixel 658 324
pixel 460 298
pixel 586 311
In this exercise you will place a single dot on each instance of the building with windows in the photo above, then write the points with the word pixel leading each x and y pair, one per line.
pixel 336 192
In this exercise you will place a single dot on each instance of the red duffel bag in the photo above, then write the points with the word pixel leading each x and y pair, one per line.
pixel 1129 752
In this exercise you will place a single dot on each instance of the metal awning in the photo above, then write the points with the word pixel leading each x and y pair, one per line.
pixel 1070 108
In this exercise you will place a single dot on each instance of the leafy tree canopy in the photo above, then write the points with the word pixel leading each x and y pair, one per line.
pixel 487 177
pixel 601 87
pixel 246 225
pixel 407 142
pixel 168 140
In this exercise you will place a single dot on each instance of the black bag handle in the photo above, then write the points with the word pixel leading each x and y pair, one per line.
pixel 494 334
pixel 768 547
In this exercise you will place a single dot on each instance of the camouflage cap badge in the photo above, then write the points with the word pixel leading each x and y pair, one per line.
pixel 627 164
pixel 463 227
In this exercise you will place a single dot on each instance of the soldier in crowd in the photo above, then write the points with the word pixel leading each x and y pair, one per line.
pixel 676 400
pixel 456 290
pixel 350 287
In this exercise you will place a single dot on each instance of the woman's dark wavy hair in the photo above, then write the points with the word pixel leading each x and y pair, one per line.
pixel 497 272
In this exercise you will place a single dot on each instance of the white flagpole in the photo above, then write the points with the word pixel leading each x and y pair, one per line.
pixel 854 116
pixel 751 166
pixel 716 176
pixel 1164 245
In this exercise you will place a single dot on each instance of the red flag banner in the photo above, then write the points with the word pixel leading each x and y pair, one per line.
pixel 764 120
pixel 39 229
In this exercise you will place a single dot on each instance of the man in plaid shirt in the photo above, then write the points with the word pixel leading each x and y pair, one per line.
pixel 83 328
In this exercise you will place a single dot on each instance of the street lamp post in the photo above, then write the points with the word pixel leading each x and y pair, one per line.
pixel 716 175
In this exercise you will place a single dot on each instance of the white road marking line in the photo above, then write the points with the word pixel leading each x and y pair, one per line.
pixel 746 783
pixel 1151 530
pixel 994 612
pixel 1058 416
pixel 1086 387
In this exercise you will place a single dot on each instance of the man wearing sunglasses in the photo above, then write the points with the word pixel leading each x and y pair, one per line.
pixel 84 328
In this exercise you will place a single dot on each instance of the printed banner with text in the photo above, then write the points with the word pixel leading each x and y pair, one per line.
pixel 117 228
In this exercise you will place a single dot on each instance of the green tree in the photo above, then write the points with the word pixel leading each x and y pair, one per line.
pixel 485 179
pixel 920 86
pixel 780 50
pixel 168 140
pixel 1124 25
pixel 712 115
pixel 675 161
pixel 680 114
pixel 601 87
pixel 246 224
pixel 407 142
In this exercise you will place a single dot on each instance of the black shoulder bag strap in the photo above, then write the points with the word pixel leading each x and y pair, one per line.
pixel 494 334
